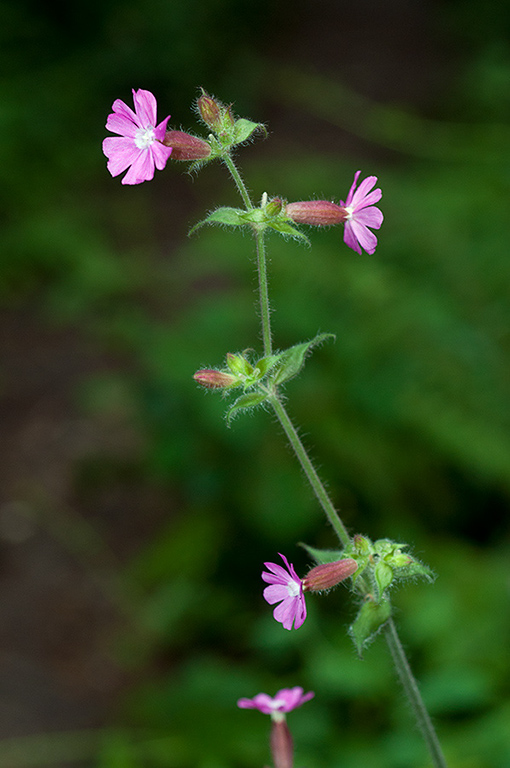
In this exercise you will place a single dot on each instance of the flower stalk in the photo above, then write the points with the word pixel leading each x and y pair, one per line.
pixel 413 694
pixel 309 470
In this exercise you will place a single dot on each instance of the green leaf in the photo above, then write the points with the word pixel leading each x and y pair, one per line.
pixel 287 229
pixel 322 556
pixel 383 574
pixel 371 617
pixel 414 570
pixel 243 129
pixel 250 400
pixel 266 363
pixel 233 217
pixel 292 360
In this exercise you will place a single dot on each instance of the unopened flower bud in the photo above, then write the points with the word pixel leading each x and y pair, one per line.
pixel 239 365
pixel 228 117
pixel 362 545
pixel 210 111
pixel 329 575
pixel 186 147
pixel 319 213
pixel 215 379
pixel 281 743
pixel 274 206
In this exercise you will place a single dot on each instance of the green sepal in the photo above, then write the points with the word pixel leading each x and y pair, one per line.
pixel 249 400
pixel 363 562
pixel 244 129
pixel 371 617
pixel 286 229
pixel 232 217
pixel 404 567
pixel 239 365
pixel 292 360
pixel 383 574
pixel 265 364
pixel 414 570
pixel 322 556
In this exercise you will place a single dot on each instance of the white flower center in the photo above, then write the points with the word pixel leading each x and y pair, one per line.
pixel 293 588
pixel 144 137
pixel 349 211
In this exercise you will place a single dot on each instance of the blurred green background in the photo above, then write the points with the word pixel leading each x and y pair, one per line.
pixel 133 523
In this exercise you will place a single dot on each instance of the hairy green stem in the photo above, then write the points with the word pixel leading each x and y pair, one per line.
pixel 260 246
pixel 413 694
pixel 238 180
pixel 309 470
pixel 265 312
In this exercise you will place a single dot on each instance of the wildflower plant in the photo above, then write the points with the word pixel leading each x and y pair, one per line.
pixel 370 569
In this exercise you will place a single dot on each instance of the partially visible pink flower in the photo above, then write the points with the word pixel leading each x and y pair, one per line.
pixel 285 701
pixel 285 588
pixel 361 214
pixel 138 146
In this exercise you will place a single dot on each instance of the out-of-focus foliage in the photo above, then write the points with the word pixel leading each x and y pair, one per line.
pixel 407 413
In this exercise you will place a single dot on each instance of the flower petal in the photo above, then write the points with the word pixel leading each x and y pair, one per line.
pixel 261 701
pixel 363 190
pixel 364 236
pixel 121 108
pixel 279 573
pixel 275 592
pixel 160 130
pixel 292 698
pixel 146 107
pixel 285 613
pixel 370 217
pixel 160 153
pixel 370 199
pixel 120 152
pixel 350 238
pixel 122 125
pixel 351 191
pixel 142 168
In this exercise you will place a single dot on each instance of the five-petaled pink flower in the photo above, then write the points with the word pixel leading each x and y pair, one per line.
pixel 285 701
pixel 361 214
pixel 138 146
pixel 287 587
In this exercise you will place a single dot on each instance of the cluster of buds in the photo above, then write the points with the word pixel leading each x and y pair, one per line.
pixel 241 372
pixel 215 115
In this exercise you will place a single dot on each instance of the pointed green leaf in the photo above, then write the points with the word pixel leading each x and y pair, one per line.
pixel 287 229
pixel 233 217
pixel 292 360
pixel 266 363
pixel 414 570
pixel 322 556
pixel 250 400
pixel 243 129
pixel 368 622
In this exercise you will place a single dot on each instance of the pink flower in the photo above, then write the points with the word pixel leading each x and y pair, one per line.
pixel 138 146
pixel 287 587
pixel 285 700
pixel 362 214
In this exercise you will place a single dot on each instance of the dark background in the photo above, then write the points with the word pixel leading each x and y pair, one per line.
pixel 133 523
